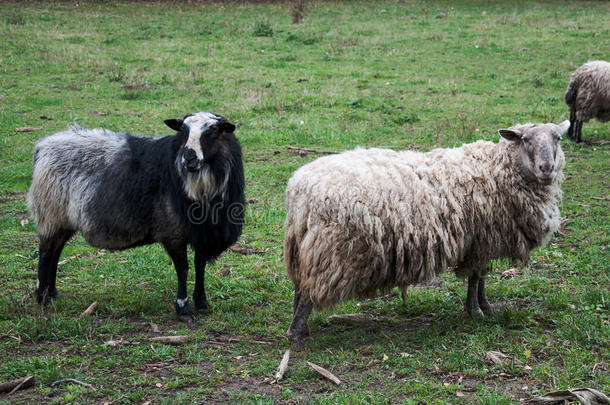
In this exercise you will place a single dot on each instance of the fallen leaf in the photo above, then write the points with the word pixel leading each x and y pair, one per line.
pixel 24 222
pixel 510 273
pixel 116 343
pixel 496 357
pixel 585 396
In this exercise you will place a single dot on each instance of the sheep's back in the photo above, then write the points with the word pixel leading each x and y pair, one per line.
pixel 67 167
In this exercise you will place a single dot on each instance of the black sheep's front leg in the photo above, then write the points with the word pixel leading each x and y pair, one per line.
pixel 201 302
pixel 180 259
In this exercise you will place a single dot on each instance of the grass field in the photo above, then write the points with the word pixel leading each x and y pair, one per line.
pixel 399 74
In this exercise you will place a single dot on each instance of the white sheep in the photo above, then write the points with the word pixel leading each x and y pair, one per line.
pixel 367 220
pixel 588 96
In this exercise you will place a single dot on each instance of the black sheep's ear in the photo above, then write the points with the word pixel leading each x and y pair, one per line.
pixel 228 127
pixel 175 124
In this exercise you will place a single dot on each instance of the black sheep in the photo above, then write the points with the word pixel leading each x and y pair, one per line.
pixel 121 190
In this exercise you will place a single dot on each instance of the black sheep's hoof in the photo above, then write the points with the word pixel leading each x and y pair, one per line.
pixel 184 311
pixel 186 318
pixel 202 305
pixel 43 297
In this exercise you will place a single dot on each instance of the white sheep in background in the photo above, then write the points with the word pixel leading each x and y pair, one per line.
pixel 588 96
pixel 367 220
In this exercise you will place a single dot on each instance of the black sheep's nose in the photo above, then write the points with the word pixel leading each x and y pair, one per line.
pixel 190 159
pixel 189 154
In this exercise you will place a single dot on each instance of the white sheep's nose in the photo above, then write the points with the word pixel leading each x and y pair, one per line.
pixel 546 169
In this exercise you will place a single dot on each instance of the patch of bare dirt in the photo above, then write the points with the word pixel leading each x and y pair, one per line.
pixel 7 196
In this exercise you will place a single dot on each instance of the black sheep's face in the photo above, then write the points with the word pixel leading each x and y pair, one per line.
pixel 202 133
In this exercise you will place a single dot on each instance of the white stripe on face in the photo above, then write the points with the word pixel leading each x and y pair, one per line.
pixel 198 123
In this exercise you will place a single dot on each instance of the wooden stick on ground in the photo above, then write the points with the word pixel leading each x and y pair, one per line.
pixel 27 129
pixel 73 381
pixel 90 310
pixel 305 151
pixel 171 340
pixel 325 373
pixel 15 385
pixel 281 370
pixel 350 318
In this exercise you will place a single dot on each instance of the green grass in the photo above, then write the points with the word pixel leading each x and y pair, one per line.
pixel 406 75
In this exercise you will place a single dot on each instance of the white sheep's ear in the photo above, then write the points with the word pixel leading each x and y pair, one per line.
pixel 511 134
pixel 563 127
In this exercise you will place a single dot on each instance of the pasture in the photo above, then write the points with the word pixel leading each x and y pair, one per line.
pixel 398 74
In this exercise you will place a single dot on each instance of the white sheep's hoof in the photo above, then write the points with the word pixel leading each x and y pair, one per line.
pixel 476 313
pixel 487 309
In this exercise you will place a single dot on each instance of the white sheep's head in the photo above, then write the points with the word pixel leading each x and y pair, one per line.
pixel 537 148
pixel 201 132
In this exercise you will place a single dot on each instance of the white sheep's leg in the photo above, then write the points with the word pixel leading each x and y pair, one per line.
pixel 472 299
pixel 578 129
pixel 298 328
pixel 179 257
pixel 572 122
pixel 297 299
pixel 484 304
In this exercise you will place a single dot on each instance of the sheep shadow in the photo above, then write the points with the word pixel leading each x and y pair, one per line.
pixel 411 329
